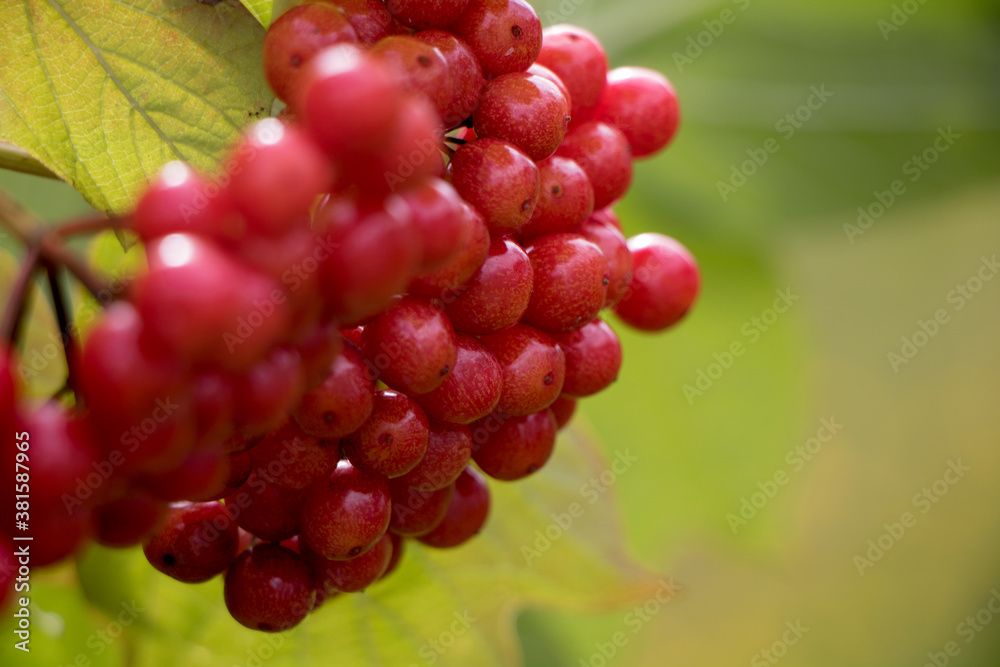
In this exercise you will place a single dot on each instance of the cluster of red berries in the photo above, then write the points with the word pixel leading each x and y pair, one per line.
pixel 399 277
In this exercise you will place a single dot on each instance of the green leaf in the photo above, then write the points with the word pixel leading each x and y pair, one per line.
pixel 105 92
pixel 266 11
pixel 456 607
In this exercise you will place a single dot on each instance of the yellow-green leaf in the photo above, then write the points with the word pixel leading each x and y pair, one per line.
pixel 104 92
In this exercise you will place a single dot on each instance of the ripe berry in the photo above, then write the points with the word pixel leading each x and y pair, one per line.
pixel 295 37
pixel 343 402
pixel 416 512
pixel 510 448
pixel 526 110
pixel 578 58
pixel 266 392
pixel 290 457
pixel 664 286
pixel 438 217
pixel 128 520
pixel 533 368
pixel 178 201
pixel 471 390
pixel 348 576
pixel 443 282
pixel 505 35
pixel 269 588
pixel 466 74
pixel 499 179
pixel 369 18
pixel 394 438
pixel 562 410
pixel 603 152
pixel 412 343
pixel 197 542
pixel 497 295
pixel 565 200
pixel 266 510
pixel 449 450
pixel 200 476
pixel 643 105
pixel 424 14
pixel 419 68
pixel 593 358
pixel 467 512
pixel 570 282
pixel 345 516
pixel 601 231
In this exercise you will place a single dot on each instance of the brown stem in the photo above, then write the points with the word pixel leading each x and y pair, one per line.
pixel 13 316
pixel 90 225
pixel 61 306
pixel 32 233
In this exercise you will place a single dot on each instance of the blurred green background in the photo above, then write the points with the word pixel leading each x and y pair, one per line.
pixel 713 430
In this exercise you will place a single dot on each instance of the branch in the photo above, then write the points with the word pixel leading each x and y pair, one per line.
pixel 13 316
pixel 18 159
pixel 32 233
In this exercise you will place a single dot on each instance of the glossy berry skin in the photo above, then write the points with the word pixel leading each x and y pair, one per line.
pixel 369 18
pixel 593 358
pixel 526 110
pixel 665 283
pixel 180 200
pixel 546 73
pixel 272 158
pixel 338 81
pixel 394 438
pixel 62 452
pixel 398 546
pixel 266 392
pixel 424 14
pixel 505 35
pixel 642 104
pixel 419 68
pixel 570 282
pixel 416 512
pixel 499 179
pixel 600 231
pixel 603 152
pixel 412 344
pixel 449 450
pixel 196 542
pixel 497 295
pixel 348 576
pixel 290 457
pixel 438 216
pixel 511 448
pixel 467 512
pixel 344 400
pixel 579 60
pixel 533 367
pixel 200 476
pixel 347 515
pixel 562 410
pixel 265 509
pixel 295 37
pixel 466 74
pixel 269 588
pixel 471 390
pixel 442 283
pixel 565 201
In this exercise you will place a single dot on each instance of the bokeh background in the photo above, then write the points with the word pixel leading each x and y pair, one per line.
pixel 796 579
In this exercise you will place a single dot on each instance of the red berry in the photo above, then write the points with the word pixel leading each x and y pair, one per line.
pixel 348 576
pixel 419 68
pixel 200 476
pixel 343 402
pixel 603 152
pixel 347 515
pixel 449 450
pixel 664 286
pixel 471 390
pixel 593 358
pixel 476 245
pixel 643 105
pixel 128 520
pixel 511 448
pixel 562 410
pixel 266 392
pixel 533 368
pixel 369 18
pixel 266 510
pixel 290 457
pixel 438 216
pixel 499 179
pixel 423 14
pixel 570 282
pixel 295 37
pixel 197 542
pixel 565 200
pixel 179 201
pixel 393 440
pixel 526 110
pixel 497 295
pixel 577 57
pixel 467 512
pixel 466 74
pixel 505 35
pixel 416 512
pixel 602 233
pixel 269 588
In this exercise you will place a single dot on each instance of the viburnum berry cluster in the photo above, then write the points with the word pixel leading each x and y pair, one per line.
pixel 389 293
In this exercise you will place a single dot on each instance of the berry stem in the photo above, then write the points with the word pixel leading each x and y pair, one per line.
pixel 90 225
pixel 32 233
pixel 61 306
pixel 13 316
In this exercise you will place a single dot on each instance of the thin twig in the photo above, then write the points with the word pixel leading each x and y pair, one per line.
pixel 13 316
pixel 61 306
